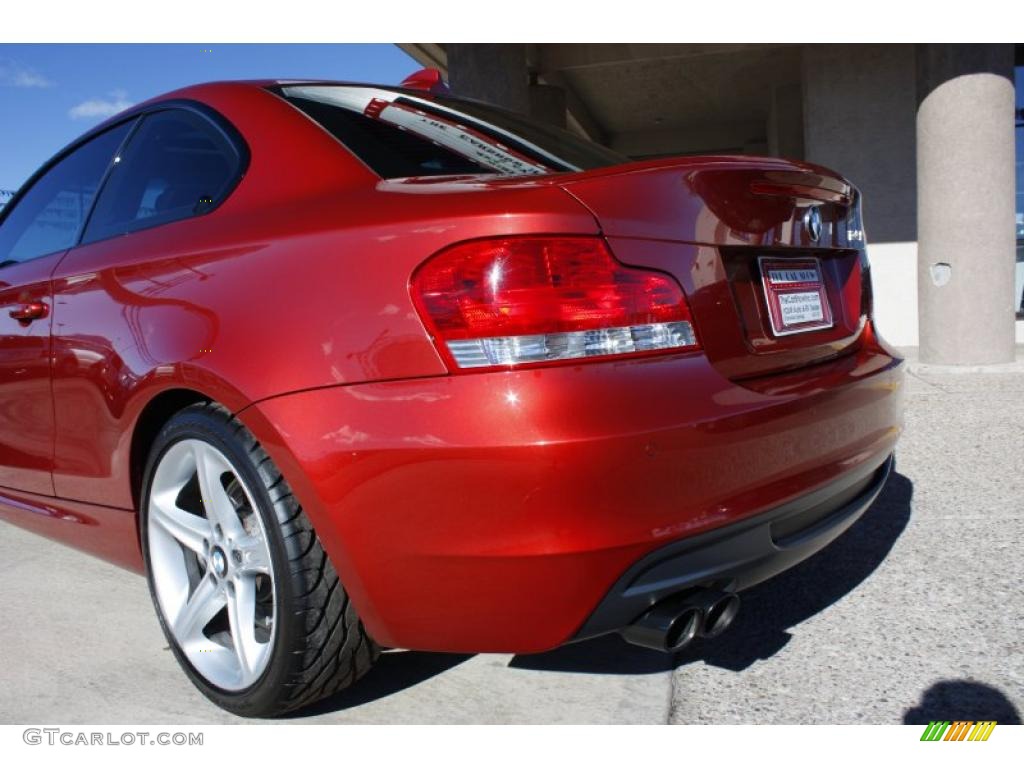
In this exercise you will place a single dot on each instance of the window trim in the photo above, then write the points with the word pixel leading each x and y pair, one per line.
pixel 206 114
pixel 63 154
pixel 138 114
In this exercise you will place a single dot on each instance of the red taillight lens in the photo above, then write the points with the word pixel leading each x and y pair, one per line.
pixel 544 299
pixel 867 299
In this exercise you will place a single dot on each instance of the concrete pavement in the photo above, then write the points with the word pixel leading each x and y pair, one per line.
pixel 916 613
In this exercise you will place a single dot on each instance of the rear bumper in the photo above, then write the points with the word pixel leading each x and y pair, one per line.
pixel 741 555
pixel 497 511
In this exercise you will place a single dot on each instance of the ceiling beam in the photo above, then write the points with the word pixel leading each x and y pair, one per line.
pixel 554 57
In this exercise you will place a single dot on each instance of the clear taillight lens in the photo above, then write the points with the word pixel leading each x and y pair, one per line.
pixel 867 298
pixel 531 300
pixel 856 237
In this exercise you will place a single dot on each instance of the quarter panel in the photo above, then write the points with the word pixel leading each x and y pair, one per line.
pixel 297 281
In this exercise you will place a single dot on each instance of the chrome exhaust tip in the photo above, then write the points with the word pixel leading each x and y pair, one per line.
pixel 672 624
pixel 667 627
pixel 720 614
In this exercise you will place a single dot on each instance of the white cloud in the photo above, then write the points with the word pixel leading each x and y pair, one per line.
pixel 15 75
pixel 100 108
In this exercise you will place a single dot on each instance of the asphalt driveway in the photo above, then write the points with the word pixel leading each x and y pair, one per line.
pixel 916 613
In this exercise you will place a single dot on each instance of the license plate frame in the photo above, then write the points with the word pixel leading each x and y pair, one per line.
pixel 795 294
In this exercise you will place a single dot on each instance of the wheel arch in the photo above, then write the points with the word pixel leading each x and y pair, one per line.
pixel 153 416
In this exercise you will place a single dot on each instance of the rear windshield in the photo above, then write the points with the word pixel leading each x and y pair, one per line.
pixel 400 134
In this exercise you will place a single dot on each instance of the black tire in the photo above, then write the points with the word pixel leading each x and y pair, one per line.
pixel 320 644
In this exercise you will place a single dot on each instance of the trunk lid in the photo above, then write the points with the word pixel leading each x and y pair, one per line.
pixel 739 234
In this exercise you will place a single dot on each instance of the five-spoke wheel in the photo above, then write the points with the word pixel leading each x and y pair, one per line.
pixel 251 605
pixel 211 564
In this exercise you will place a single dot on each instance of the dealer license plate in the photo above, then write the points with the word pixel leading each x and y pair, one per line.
pixel 795 294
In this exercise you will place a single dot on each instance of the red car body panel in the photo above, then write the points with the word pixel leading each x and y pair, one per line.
pixel 206 303
pixel 403 486
pixel 106 532
pixel 26 405
pixel 480 512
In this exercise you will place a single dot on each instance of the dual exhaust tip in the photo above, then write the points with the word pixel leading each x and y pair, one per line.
pixel 670 625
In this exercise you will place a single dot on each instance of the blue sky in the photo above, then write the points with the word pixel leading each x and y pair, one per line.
pixel 49 94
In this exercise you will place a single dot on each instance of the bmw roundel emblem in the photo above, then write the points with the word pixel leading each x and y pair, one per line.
pixel 812 222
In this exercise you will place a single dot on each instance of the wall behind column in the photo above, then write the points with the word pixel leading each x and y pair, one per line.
pixel 860 112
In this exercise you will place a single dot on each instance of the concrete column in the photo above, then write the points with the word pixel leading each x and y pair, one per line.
pixel 965 178
pixel 491 72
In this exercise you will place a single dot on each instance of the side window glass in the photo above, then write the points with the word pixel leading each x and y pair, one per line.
pixel 176 165
pixel 50 216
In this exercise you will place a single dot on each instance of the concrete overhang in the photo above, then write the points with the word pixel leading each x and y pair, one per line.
pixel 652 99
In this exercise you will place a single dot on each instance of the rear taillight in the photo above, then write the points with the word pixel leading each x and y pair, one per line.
pixel 867 299
pixel 856 237
pixel 531 300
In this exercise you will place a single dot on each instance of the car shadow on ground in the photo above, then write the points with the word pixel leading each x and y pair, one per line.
pixel 393 672
pixel 962 700
pixel 768 611
pixel 759 631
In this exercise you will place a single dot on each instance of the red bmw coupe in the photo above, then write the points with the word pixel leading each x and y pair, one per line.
pixel 342 366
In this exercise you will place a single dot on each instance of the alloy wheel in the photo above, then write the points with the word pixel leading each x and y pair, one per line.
pixel 211 565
